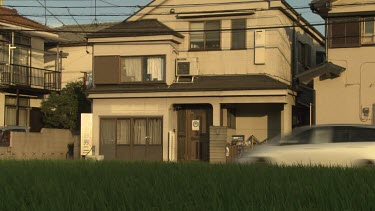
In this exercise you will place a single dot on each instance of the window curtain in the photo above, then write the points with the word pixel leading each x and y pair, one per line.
pixel 197 35
pixel 23 117
pixel 139 130
pixel 155 67
pixel 4 53
pixel 10 115
pixel 212 37
pixel 155 131
pixel 21 56
pixel 123 131
pixel 107 131
pixel 131 69
pixel 368 30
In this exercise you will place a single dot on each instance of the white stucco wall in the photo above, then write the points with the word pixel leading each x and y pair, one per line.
pixel 341 100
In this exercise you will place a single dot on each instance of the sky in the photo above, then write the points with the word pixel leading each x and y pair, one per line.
pixel 112 13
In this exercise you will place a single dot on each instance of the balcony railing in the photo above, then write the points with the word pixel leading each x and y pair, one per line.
pixel 31 77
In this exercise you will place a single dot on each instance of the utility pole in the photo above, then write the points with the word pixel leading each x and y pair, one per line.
pixel 45 12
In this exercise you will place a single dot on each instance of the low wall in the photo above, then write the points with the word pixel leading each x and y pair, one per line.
pixel 48 144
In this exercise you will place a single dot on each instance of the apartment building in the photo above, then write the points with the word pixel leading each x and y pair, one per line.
pixel 23 78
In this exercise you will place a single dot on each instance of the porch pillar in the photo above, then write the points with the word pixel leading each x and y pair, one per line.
pixel 216 114
pixel 286 116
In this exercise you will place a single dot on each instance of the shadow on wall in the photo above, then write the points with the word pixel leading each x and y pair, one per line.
pixel 260 120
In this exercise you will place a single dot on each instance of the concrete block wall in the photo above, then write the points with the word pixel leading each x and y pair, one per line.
pixel 48 144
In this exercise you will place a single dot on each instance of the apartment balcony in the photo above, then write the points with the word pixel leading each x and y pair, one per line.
pixel 28 80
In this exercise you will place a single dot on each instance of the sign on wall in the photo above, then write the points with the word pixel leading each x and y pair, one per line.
pixel 195 125
pixel 86 134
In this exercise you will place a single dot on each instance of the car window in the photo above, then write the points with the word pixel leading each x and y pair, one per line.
pixel 301 137
pixel 358 134
pixel 341 134
pixel 321 135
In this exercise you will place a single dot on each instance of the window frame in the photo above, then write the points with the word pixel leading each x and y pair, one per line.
pixel 304 56
pixel 20 106
pixel 205 36
pixel 144 69
pixel 348 44
pixel 239 30
pixel 363 31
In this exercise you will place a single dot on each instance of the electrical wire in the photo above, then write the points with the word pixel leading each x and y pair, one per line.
pixel 49 12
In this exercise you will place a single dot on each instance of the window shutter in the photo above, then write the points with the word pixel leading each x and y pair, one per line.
pixel 353 32
pixel 106 69
pixel 337 28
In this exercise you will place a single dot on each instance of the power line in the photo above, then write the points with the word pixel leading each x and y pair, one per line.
pixel 77 22
pixel 46 14
pixel 111 5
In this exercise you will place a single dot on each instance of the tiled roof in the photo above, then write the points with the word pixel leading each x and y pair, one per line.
pixel 73 34
pixel 11 16
pixel 201 83
pixel 146 27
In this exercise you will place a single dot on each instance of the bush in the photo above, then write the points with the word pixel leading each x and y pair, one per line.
pixel 63 110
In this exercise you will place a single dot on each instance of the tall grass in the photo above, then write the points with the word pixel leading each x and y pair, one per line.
pixel 80 185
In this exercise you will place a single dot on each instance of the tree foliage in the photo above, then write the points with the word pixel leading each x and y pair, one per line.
pixel 63 110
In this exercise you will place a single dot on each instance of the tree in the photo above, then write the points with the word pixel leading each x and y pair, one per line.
pixel 63 110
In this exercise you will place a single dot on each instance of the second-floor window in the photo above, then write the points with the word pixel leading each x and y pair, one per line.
pixel 239 34
pixel 205 35
pixel 4 52
pixel 303 56
pixel 345 32
pixel 368 31
pixel 142 69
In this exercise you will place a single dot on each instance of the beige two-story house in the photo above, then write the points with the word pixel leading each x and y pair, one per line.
pixel 168 73
pixel 345 91
pixel 24 81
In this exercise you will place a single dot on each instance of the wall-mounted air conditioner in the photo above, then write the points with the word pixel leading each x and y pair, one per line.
pixel 187 67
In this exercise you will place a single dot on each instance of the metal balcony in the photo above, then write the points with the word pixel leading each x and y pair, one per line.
pixel 29 78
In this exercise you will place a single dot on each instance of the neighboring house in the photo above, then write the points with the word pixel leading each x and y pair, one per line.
pixel 23 79
pixel 345 84
pixel 165 75
pixel 75 54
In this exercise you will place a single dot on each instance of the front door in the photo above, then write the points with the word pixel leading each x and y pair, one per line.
pixel 194 122
pixel 131 138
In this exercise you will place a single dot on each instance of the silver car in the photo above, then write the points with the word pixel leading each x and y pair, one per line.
pixel 326 145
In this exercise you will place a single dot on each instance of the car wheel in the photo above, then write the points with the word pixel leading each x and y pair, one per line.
pixel 366 163
pixel 262 160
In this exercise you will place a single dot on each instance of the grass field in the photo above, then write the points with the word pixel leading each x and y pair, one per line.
pixel 79 185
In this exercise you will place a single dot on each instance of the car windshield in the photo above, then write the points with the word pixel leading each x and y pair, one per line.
pixel 297 135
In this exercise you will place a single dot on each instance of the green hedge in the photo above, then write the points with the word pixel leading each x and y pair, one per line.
pixel 85 185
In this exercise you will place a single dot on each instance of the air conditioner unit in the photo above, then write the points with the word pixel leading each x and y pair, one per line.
pixel 187 67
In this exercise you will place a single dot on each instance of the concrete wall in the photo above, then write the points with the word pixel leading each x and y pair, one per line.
pixel 2 109
pixel 341 100
pixel 261 120
pixel 48 144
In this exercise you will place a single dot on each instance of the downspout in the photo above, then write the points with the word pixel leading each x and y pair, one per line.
pixel 326 38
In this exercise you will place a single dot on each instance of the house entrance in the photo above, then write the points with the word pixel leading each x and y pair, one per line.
pixel 131 138
pixel 193 127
